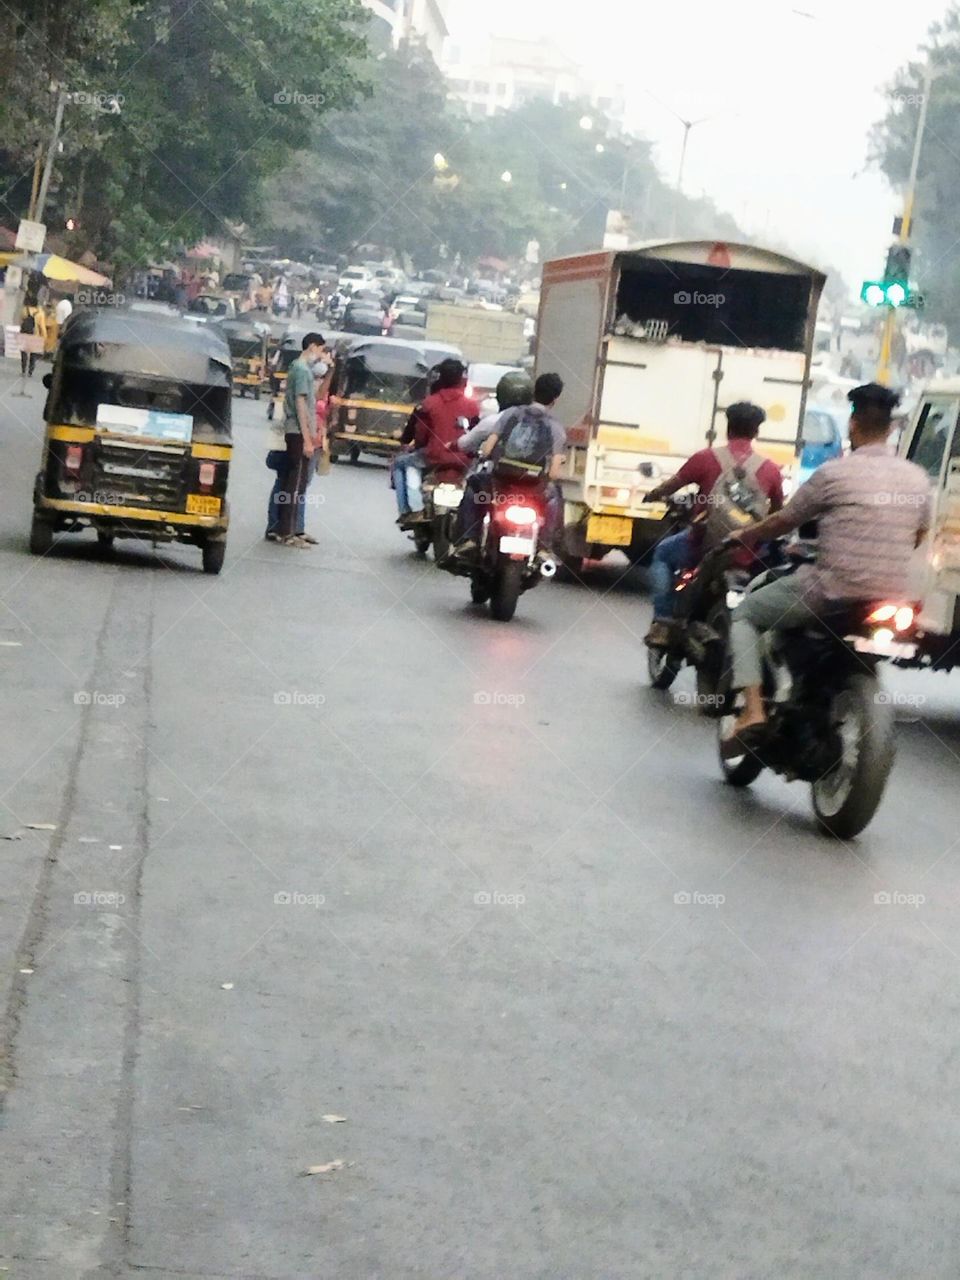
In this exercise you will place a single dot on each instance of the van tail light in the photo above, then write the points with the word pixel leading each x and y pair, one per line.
pixel 74 458
pixel 208 473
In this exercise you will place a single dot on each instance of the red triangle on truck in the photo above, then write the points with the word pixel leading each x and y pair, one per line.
pixel 719 256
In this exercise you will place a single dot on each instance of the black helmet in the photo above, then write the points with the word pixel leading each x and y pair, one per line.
pixel 513 389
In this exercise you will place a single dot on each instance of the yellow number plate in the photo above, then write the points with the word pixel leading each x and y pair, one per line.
pixel 201 504
pixel 611 531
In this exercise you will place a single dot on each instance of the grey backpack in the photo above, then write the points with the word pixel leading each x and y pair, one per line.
pixel 736 499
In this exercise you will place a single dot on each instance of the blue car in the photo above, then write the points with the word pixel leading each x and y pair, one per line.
pixel 824 437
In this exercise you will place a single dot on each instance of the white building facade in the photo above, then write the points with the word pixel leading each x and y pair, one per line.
pixel 505 73
pixel 400 20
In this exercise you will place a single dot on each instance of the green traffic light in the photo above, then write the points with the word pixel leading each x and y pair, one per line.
pixel 873 294
pixel 896 294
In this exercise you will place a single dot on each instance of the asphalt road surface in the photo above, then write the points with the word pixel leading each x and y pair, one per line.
pixel 330 842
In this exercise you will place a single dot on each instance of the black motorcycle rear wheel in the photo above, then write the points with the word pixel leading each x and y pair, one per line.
pixel 506 589
pixel 846 798
pixel 421 538
pixel 479 591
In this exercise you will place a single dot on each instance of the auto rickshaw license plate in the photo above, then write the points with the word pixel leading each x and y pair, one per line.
pixel 201 504
pixel 610 531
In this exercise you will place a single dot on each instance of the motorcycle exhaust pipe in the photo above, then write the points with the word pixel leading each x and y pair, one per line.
pixel 548 568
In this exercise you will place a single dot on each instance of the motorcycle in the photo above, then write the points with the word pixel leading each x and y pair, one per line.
pixel 442 495
pixel 508 560
pixel 704 598
pixel 829 722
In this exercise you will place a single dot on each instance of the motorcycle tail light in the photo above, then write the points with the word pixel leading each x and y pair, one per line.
pixel 903 618
pixel 208 473
pixel 520 515
pixel 883 635
pixel 884 613
pixel 74 458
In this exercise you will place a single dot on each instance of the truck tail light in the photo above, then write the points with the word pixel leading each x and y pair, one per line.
pixel 74 458
pixel 208 473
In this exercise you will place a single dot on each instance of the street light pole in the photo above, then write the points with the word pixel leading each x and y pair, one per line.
pixel 884 371
pixel 51 153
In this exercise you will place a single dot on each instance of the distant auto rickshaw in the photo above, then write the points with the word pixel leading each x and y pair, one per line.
pixel 248 352
pixel 137 441
pixel 376 384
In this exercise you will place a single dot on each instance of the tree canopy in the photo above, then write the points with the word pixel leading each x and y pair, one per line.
pixel 408 171
pixel 213 98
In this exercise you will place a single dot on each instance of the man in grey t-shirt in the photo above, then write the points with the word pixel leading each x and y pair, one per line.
pixel 873 510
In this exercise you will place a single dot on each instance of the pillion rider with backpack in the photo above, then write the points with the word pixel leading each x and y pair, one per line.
pixel 527 447
pixel 736 485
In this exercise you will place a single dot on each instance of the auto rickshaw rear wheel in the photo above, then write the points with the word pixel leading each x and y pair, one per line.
pixel 354 454
pixel 105 538
pixel 213 555
pixel 256 393
pixel 41 534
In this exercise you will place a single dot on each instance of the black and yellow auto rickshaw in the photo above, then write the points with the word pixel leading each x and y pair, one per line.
pixel 248 353
pixel 376 384
pixel 138 441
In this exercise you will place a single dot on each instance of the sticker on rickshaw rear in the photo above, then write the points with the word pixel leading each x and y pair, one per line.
pixel 202 504
pixel 151 424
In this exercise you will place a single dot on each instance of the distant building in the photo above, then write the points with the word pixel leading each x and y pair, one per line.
pixel 396 20
pixel 503 73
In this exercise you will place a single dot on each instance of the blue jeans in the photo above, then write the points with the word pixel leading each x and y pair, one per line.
pixel 277 461
pixel 408 481
pixel 672 556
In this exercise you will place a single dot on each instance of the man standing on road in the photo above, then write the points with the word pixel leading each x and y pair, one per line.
pixel 299 430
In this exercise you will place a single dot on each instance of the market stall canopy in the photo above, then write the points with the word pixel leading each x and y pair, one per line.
pixel 54 267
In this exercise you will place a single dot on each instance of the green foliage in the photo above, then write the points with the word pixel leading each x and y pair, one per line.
pixel 368 177
pixel 215 96
pixel 936 260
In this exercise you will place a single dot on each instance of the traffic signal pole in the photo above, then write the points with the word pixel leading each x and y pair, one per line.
pixel 906 226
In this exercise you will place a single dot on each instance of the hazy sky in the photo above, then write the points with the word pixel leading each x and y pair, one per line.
pixel 794 92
